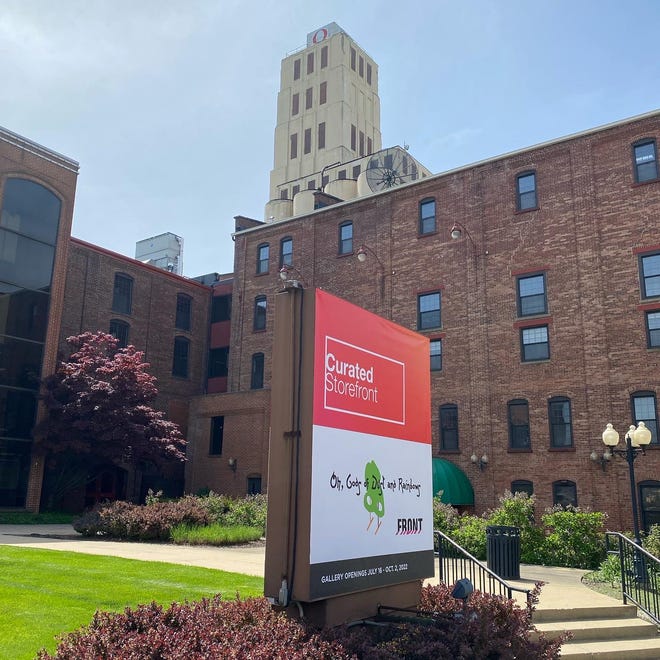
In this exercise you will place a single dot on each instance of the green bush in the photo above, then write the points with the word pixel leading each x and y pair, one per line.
pixel 574 537
pixel 445 517
pixel 652 541
pixel 249 511
pixel 471 535
pixel 214 534
pixel 609 571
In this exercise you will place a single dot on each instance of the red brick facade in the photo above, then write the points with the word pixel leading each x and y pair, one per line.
pixel 585 234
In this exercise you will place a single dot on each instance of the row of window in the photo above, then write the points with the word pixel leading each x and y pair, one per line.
pixel 312 184
pixel 263 255
pixel 564 492
pixel 311 57
pixel 307 141
pixel 309 98
pixel 358 65
pixel 642 404
pixel 122 301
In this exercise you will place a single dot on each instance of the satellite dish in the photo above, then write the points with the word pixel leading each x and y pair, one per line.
pixel 389 168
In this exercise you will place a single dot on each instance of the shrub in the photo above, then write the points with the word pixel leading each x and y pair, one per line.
pixel 471 535
pixel 609 571
pixel 249 511
pixel 214 534
pixel 445 517
pixel 210 628
pixel 652 541
pixel 124 520
pixel 574 538
pixel 485 627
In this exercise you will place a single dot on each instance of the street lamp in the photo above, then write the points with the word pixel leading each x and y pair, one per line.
pixel 637 440
pixel 362 253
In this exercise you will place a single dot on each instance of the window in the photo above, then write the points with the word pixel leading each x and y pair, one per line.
pixel 535 345
pixel 294 146
pixel 263 255
pixel 284 194
pixel 323 93
pixel 122 294
pixel 308 98
pixel 518 424
pixel 321 136
pixel 254 485
pixel 307 146
pixel 356 171
pixel 260 308
pixel 427 216
pixel 353 137
pixel 217 433
pixel 311 185
pixel 295 190
pixel 119 330
pixel 649 266
pixel 295 104
pixel 649 499
pixel 428 310
pixel 324 57
pixel 526 191
pixel 220 308
pixel 644 410
pixel 353 58
pixel 346 238
pixel 531 295
pixel 296 69
pixel 436 354
pixel 653 329
pixel 361 143
pixel 564 493
pixel 257 375
pixel 324 180
pixel 368 73
pixel 310 63
pixel 180 357
pixel 522 486
pixel 361 67
pixel 341 175
pixel 559 417
pixel 183 311
pixel 218 362
pixel 449 427
pixel 286 252
pixel 370 146
pixel 645 161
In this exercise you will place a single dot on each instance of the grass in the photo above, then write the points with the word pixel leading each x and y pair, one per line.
pixel 47 592
pixel 214 534
pixel 27 518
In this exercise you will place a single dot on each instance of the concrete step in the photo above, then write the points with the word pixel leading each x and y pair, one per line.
pixel 630 649
pixel 600 629
pixel 617 611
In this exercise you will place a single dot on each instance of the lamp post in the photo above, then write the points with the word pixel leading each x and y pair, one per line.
pixel 636 441
pixel 362 253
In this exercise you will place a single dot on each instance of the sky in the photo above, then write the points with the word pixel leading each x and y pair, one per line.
pixel 170 106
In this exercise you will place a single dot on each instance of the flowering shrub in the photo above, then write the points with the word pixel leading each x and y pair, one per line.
pixel 249 511
pixel 210 628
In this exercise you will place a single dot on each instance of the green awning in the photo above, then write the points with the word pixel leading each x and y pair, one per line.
pixel 453 482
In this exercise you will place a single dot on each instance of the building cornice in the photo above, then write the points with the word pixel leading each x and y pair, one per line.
pixel 38 150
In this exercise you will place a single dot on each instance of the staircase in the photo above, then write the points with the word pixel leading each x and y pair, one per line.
pixel 612 632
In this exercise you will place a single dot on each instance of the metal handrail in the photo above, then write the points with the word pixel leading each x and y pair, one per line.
pixel 640 574
pixel 456 562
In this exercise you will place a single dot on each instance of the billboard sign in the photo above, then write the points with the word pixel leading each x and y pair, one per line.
pixel 371 521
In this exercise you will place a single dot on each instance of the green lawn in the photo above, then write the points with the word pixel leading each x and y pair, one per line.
pixel 47 592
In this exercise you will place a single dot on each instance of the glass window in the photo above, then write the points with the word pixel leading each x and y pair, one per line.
pixel 649 266
pixel 526 191
pixel 310 63
pixel 323 93
pixel 428 310
pixel 311 185
pixel 23 313
pixel 436 354
pixel 427 216
pixel 449 427
pixel 531 295
pixel 286 252
pixel 218 362
pixel 341 175
pixel 645 161
pixel 263 256
pixel 535 345
pixel 221 308
pixel 183 311
pixel 369 146
pixel 518 424
pixel 260 308
pixel 308 98
pixel 644 410
pixel 321 136
pixel 284 194
pixel 653 329
pixel 119 330
pixel 295 104
pixel 346 238
pixel 20 363
pixel 649 500
pixel 564 493
pixel 353 58
pixel 254 485
pixel 296 69
pixel 361 66
pixel 522 486
pixel 353 137
pixel 307 140
pixel 356 171
pixel 368 73
pixel 25 262
pixel 17 413
pixel 324 57
pixel 294 146
pixel 361 143
pixel 559 417
pixel 217 435
pixel 295 190
pixel 122 294
pixel 30 209
pixel 180 357
pixel 257 375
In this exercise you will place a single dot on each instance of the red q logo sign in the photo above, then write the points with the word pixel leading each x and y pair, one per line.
pixel 319 36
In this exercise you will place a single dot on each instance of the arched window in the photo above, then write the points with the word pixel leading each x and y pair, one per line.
pixel 518 424
pixel 122 294
pixel 559 418
pixel 260 309
pixel 564 493
pixel 257 375
pixel 119 330
pixel 180 357
pixel 522 486
pixel 183 311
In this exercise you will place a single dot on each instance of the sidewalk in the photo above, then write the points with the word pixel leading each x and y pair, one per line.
pixel 563 589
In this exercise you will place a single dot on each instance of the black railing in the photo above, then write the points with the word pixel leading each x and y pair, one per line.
pixel 640 574
pixel 454 563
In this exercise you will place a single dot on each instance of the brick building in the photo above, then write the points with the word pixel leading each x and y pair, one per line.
pixel 535 276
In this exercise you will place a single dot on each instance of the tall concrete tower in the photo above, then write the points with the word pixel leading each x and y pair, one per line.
pixel 328 113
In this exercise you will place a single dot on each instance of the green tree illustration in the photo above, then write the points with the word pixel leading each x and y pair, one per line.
pixel 374 501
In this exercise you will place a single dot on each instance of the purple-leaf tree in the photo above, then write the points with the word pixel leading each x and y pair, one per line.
pixel 98 406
